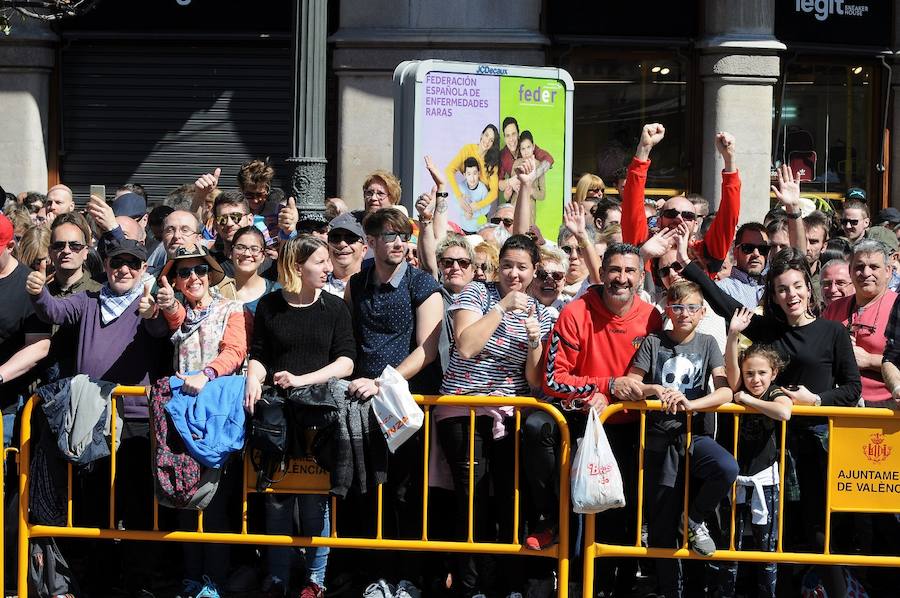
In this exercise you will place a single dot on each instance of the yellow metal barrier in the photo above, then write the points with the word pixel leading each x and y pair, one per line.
pixel 315 485
pixel 860 439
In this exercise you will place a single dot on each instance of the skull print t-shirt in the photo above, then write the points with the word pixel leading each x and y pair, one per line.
pixel 685 367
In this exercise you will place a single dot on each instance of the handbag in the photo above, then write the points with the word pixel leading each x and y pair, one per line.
pixel 269 440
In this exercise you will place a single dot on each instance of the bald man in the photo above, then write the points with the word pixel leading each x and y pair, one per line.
pixel 132 229
pixel 59 201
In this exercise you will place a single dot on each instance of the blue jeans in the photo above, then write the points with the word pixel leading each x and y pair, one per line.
pixel 765 536
pixel 314 512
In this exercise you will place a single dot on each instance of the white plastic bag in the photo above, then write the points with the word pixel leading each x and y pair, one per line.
pixel 596 479
pixel 397 413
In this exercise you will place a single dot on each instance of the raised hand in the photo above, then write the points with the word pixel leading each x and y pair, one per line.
pixel 683 238
pixel 425 205
pixel 207 182
pixel 102 213
pixel 725 146
pixel 651 134
pixel 787 191
pixel 288 216
pixel 659 244
pixel 525 172
pixel 575 219
pixel 165 296
pixel 437 174
pixel 36 280
pixel 740 320
pixel 147 306
pixel 533 327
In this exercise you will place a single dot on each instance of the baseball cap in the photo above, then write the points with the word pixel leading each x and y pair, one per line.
pixel 129 204
pixel 348 221
pixel 7 231
pixel 891 215
pixel 316 217
pixel 126 247
pixel 856 193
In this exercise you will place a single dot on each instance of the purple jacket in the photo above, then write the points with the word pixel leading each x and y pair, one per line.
pixel 124 351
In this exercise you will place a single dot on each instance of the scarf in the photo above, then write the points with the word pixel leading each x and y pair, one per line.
pixel 112 306
pixel 193 318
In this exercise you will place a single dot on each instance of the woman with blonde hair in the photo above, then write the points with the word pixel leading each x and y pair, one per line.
pixel 487 262
pixel 33 247
pixel 589 189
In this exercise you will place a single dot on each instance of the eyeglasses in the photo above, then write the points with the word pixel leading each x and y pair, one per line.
pixel 748 248
pixel 484 267
pixel 235 218
pixel 570 249
pixel 447 262
pixel 505 221
pixel 199 270
pixel 131 261
pixel 835 283
pixel 251 250
pixel 679 308
pixel 544 275
pixel 391 236
pixel 849 221
pixel 595 193
pixel 370 193
pixel 854 327
pixel 336 236
pixel 184 231
pixel 308 227
pixel 674 268
pixel 673 213
pixel 73 246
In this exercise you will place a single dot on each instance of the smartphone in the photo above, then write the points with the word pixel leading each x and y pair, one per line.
pixel 99 191
pixel 792 387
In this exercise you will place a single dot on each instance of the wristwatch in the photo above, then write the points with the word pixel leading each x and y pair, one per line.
pixel 533 344
pixel 792 216
pixel 442 194
pixel 210 373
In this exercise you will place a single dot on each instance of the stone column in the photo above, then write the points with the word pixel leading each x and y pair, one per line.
pixel 308 134
pixel 894 119
pixel 739 68
pixel 27 57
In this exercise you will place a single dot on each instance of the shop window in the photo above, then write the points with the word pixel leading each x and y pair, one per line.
pixel 826 125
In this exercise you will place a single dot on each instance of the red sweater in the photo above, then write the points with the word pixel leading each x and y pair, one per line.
pixel 715 244
pixel 589 346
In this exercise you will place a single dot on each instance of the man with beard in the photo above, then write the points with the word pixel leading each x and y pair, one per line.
pixel 751 248
pixel 589 354
pixel 816 225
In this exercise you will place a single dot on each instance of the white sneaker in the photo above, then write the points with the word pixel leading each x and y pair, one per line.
pixel 406 589
pixel 379 589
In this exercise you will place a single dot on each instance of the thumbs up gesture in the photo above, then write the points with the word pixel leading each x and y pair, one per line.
pixel 147 307
pixel 533 328
pixel 207 182
pixel 288 216
pixel 165 296
pixel 36 280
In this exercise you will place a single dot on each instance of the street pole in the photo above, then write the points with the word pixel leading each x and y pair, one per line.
pixel 308 131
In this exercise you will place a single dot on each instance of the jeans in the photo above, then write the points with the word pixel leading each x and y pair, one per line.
pixel 314 513
pixel 765 537
pixel 714 469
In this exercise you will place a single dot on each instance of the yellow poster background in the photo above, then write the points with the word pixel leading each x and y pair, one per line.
pixel 865 465
pixel 303 476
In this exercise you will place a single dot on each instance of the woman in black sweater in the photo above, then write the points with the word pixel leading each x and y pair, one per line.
pixel 301 336
pixel 821 368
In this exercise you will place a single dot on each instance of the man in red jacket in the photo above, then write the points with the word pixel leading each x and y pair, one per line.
pixel 713 248
pixel 588 357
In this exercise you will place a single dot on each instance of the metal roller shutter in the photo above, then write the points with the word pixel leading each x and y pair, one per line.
pixel 160 113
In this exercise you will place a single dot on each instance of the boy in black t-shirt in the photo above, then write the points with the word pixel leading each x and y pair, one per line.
pixel 675 366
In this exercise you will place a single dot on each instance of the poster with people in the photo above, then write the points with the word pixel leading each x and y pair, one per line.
pixel 480 123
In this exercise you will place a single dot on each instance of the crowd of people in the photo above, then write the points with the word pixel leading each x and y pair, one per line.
pixel 630 299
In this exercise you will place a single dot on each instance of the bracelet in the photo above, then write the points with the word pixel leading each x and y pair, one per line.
pixel 792 215
pixel 424 222
pixel 818 401
pixel 210 373
pixel 612 385
pixel 499 309
pixel 533 344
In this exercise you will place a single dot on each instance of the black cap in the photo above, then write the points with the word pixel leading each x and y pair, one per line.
pixel 126 247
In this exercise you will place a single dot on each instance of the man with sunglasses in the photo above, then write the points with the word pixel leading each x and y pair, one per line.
pixel 751 251
pixel 231 212
pixel 503 216
pixel 854 220
pixel 347 247
pixel 714 246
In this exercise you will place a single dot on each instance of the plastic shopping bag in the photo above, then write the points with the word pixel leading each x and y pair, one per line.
pixel 596 479
pixel 397 413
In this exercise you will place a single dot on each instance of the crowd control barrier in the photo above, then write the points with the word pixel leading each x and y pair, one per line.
pixel 863 476
pixel 314 484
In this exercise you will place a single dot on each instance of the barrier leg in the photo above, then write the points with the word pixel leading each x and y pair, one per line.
pixel 24 461
pixel 589 554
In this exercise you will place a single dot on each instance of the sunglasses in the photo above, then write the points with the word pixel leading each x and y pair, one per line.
pixel 335 237
pixel 749 248
pixel 850 221
pixel 544 275
pixel 570 249
pixel 73 246
pixel 671 268
pixel 505 221
pixel 312 227
pixel 235 218
pixel 679 308
pixel 199 270
pixel 484 267
pixel 672 213
pixel 447 262
pixel 250 195
pixel 391 236
pixel 118 261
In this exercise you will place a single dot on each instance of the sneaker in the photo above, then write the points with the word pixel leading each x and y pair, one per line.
pixel 379 589
pixel 189 588
pixel 406 589
pixel 209 589
pixel 312 590
pixel 699 539
pixel 514 595
pixel 541 540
